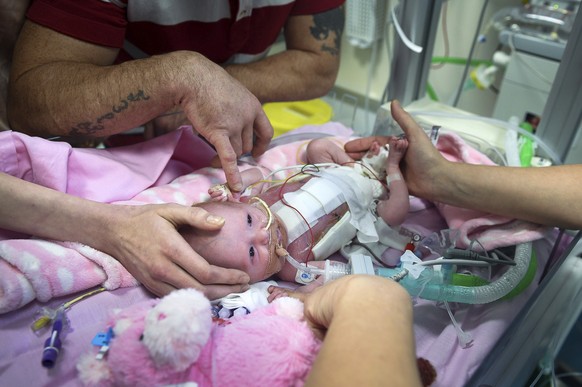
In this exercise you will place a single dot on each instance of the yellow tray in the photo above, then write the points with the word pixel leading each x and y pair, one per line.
pixel 285 116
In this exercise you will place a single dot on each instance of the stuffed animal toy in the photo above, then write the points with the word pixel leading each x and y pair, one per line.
pixel 175 340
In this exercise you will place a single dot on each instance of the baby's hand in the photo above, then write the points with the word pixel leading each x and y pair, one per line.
pixel 221 193
pixel 398 146
pixel 299 292
pixel 277 292
pixel 374 150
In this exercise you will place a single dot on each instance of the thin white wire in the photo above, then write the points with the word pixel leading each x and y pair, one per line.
pixel 525 62
pixel 466 262
pixel 412 46
pixel 300 166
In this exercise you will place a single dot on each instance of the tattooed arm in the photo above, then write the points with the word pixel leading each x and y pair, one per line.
pixel 66 87
pixel 306 69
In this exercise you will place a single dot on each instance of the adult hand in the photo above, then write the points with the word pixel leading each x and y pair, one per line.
pixel 228 116
pixel 423 164
pixel 144 239
pixel 340 298
pixel 358 309
pixel 165 123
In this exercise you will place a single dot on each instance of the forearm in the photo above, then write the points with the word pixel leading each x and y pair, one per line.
pixel 549 195
pixel 370 341
pixel 46 213
pixel 96 100
pixel 292 75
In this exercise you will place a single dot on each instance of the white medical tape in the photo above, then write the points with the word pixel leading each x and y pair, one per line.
pixel 325 192
pixel 393 177
pixel 294 223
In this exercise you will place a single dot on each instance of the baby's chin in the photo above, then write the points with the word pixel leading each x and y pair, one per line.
pixel 275 268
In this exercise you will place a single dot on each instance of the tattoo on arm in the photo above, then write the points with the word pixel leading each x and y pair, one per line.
pixel 326 23
pixel 92 127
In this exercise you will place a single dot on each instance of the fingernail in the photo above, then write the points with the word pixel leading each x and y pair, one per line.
pixel 215 219
pixel 237 187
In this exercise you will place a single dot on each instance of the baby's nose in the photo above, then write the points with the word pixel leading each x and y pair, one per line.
pixel 263 237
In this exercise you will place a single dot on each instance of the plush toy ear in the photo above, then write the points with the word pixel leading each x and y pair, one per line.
pixel 177 328
pixel 289 307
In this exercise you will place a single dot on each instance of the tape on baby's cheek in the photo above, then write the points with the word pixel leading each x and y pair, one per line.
pixel 393 177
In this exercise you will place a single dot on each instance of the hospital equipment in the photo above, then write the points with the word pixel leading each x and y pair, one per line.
pixel 534 337
pixel 422 280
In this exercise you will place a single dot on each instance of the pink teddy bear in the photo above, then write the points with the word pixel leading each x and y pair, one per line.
pixel 175 340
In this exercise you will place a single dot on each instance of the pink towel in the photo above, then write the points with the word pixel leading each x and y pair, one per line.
pixel 168 169
pixel 490 230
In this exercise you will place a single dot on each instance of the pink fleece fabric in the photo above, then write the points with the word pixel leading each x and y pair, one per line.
pixel 435 335
pixel 168 169
pixel 490 230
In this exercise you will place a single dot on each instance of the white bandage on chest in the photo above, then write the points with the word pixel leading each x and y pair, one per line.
pixel 318 197
pixel 337 237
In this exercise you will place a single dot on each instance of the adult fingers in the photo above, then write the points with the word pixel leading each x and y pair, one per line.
pixel 263 131
pixel 192 216
pixel 180 279
pixel 410 127
pixel 194 271
pixel 228 160
pixel 247 139
pixel 214 292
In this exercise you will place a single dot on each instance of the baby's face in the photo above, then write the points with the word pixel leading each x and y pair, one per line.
pixel 243 242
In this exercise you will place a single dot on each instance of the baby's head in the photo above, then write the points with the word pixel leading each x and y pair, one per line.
pixel 248 240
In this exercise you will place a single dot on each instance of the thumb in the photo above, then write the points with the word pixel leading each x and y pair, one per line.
pixel 193 216
pixel 405 121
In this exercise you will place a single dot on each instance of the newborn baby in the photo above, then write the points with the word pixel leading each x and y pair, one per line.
pixel 268 222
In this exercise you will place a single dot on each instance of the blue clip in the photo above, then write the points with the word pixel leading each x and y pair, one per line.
pixel 102 340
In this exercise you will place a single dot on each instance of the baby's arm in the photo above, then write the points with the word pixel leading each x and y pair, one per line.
pixel 394 209
pixel 325 150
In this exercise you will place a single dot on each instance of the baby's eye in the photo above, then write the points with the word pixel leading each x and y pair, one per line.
pixel 249 219
pixel 252 252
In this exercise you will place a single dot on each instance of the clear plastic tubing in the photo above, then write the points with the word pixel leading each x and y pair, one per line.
pixel 429 285
pixel 331 271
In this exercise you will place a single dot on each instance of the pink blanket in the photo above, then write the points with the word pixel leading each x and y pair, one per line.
pixel 490 230
pixel 163 170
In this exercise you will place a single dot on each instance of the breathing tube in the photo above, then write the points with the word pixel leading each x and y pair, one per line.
pixel 331 271
pixel 431 284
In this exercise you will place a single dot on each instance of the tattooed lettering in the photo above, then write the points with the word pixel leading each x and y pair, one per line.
pixel 119 108
pixel 326 23
pixel 91 128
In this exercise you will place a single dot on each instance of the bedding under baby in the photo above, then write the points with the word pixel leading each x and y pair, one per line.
pixel 170 168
